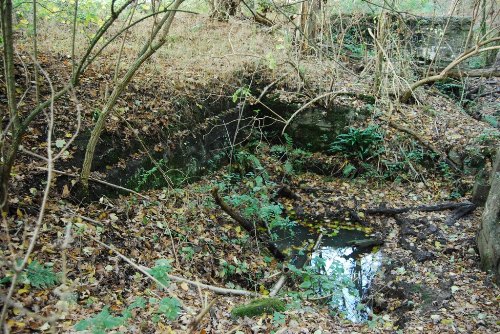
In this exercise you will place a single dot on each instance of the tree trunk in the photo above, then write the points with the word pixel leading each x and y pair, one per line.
pixel 9 150
pixel 383 25
pixel 310 12
pixel 488 240
pixel 145 54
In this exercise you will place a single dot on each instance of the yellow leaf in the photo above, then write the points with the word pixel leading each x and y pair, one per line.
pixel 19 213
pixel 184 286
pixel 12 323
pixel 23 290
pixel 263 290
pixel 65 192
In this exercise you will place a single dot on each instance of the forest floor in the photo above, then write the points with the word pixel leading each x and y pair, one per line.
pixel 443 291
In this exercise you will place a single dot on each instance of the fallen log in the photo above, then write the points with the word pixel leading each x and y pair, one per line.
pixel 459 213
pixel 285 191
pixel 479 73
pixel 248 226
pixel 366 243
pixel 424 208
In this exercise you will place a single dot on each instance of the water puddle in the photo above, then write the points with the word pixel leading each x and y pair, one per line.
pixel 337 258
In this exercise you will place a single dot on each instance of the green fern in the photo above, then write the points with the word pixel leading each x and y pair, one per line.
pixel 101 322
pixel 40 276
pixel 362 144
pixel 106 321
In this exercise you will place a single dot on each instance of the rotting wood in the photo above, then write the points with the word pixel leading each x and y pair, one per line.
pixel 459 213
pixel 366 243
pixel 424 208
pixel 285 191
pixel 250 227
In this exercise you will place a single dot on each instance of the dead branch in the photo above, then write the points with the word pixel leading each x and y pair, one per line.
pixel 248 226
pixel 480 73
pixel 112 185
pixel 424 208
pixel 196 321
pixel 145 271
pixel 459 213
pixel 425 143
pixel 259 18
pixel 479 48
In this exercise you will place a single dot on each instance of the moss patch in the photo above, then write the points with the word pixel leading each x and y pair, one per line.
pixel 258 307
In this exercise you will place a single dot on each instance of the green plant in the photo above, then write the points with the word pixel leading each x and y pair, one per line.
pixel 37 275
pixel 451 88
pixel 40 276
pixel 105 321
pixel 294 158
pixel 363 144
pixel 488 136
pixel 491 120
pixel 477 62
pixel 169 308
pixel 349 170
pixel 150 176
pixel 228 269
pixel 278 319
pixel 187 252
pixel 241 93
pixel 257 204
pixel 160 271
pixel 249 163
pixel 317 282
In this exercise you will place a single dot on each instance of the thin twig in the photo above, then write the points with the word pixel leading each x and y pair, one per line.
pixel 98 181
pixel 142 269
pixel 196 321
pixel 18 268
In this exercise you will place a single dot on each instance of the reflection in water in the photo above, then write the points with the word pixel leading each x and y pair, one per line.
pixel 360 270
pixel 346 265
